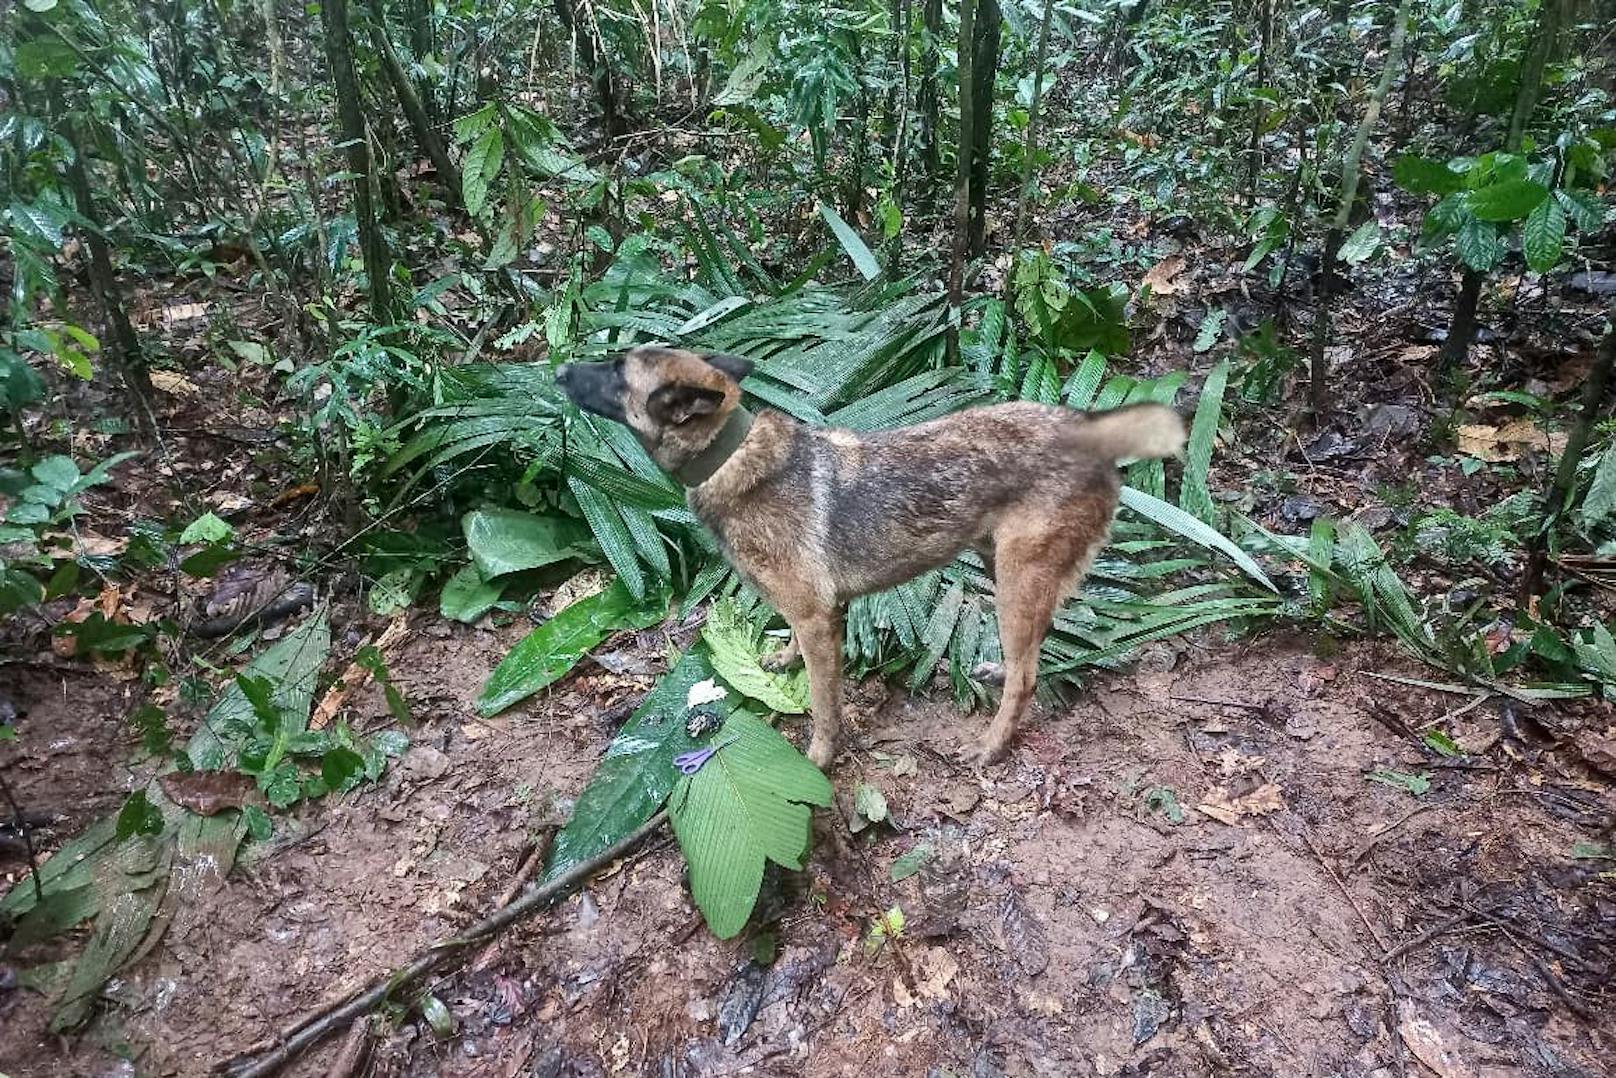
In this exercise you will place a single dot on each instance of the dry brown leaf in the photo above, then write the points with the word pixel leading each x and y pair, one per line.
pixel 174 384
pixel 1494 444
pixel 1425 1041
pixel 582 586
pixel 1160 277
pixel 352 678
pixel 1219 805
pixel 933 969
pixel 109 600
pixel 184 312
pixel 208 793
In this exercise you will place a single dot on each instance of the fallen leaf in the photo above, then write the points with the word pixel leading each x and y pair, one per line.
pixel 905 765
pixel 587 583
pixel 174 384
pixel 208 793
pixel 1598 751
pixel 1219 805
pixel 184 312
pixel 108 601
pixel 932 969
pixel 356 675
pixel 1160 277
pixel 1494 444
pixel 961 798
pixel 1427 1044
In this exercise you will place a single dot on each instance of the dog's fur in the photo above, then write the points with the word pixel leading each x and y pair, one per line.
pixel 813 517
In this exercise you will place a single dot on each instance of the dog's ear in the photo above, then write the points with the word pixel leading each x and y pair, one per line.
pixel 737 367
pixel 680 402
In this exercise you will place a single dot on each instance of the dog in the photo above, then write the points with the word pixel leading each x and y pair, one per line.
pixel 812 517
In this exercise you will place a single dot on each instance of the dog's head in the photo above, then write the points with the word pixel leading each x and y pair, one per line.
pixel 673 400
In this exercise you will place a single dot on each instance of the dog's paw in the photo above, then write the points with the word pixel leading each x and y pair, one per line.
pixel 821 753
pixel 784 659
pixel 989 674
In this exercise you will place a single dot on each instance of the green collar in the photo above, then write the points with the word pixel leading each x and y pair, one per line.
pixel 701 467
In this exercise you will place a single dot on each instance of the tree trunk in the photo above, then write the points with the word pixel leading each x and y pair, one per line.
pixel 128 359
pixel 984 69
pixel 1029 149
pixel 415 110
pixel 1259 111
pixel 418 15
pixel 593 56
pixel 962 175
pixel 1555 499
pixel 931 16
pixel 1318 368
pixel 1456 349
pixel 351 130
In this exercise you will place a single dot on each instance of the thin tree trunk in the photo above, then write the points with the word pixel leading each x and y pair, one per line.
pixel 962 175
pixel 1555 499
pixel 128 358
pixel 1456 349
pixel 418 16
pixel 1029 149
pixel 593 56
pixel 1259 110
pixel 984 69
pixel 900 143
pixel 931 15
pixel 1318 368
pixel 351 129
pixel 415 110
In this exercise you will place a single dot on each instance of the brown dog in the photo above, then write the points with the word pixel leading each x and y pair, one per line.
pixel 813 517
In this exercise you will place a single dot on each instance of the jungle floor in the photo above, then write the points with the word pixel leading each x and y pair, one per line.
pixel 1184 873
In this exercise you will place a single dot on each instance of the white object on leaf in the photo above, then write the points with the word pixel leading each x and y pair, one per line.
pixel 705 692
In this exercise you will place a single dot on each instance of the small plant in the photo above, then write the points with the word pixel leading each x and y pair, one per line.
pixel 45 499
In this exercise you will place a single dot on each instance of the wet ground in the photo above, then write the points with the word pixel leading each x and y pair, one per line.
pixel 1186 871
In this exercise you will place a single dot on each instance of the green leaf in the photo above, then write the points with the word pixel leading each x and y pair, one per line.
pixel 1601 497
pixel 863 260
pixel 509 541
pixel 1479 244
pixel 481 165
pixel 636 774
pixel 1176 520
pixel 1362 244
pixel 39 5
pixel 1441 744
pixel 1423 176
pixel 747 805
pixel 467 596
pixel 207 528
pixel 258 823
pixel 1583 207
pixel 1211 330
pixel 1510 200
pixel 1196 497
pixel 57 472
pixel 870 803
pixel 1400 780
pixel 393 591
pixel 549 651
pixel 907 864
pixel 138 817
pixel 1543 236
pixel 732 645
pixel 291 665
pixel 342 768
pixel 253 353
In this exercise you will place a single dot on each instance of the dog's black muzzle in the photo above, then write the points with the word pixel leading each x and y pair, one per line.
pixel 595 387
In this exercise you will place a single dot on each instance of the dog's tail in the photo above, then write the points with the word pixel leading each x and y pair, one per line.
pixel 1137 432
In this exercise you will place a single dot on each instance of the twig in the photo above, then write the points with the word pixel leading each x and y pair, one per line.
pixel 24 828
pixel 1340 885
pixel 1374 839
pixel 1549 977
pixel 266 1059
pixel 1428 935
pixel 352 1054
pixel 1259 708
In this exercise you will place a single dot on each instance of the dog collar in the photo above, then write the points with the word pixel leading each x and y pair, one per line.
pixel 701 467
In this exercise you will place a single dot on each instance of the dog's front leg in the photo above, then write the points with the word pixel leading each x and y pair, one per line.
pixel 819 637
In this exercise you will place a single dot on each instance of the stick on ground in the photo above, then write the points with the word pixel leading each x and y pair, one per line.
pixel 267 1058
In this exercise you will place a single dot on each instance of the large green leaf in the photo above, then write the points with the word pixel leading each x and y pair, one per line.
pixel 481 165
pixel 1423 176
pixel 1175 519
pixel 636 774
pixel 863 260
pixel 546 654
pixel 732 649
pixel 747 805
pixel 291 666
pixel 508 540
pixel 467 596
pixel 1509 200
pixel 1196 497
pixel 1583 207
pixel 1543 236
pixel 1479 244
pixel 1600 500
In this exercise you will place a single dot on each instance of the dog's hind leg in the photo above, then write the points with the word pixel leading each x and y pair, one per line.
pixel 818 635
pixel 1039 560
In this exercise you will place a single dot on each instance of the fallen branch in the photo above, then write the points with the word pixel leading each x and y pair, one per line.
pixel 266 1058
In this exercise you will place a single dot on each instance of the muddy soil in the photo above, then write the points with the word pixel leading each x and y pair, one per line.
pixel 1184 872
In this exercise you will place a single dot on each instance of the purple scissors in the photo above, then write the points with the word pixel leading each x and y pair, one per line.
pixel 689 763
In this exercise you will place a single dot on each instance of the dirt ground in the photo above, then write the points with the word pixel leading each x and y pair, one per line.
pixel 1185 872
